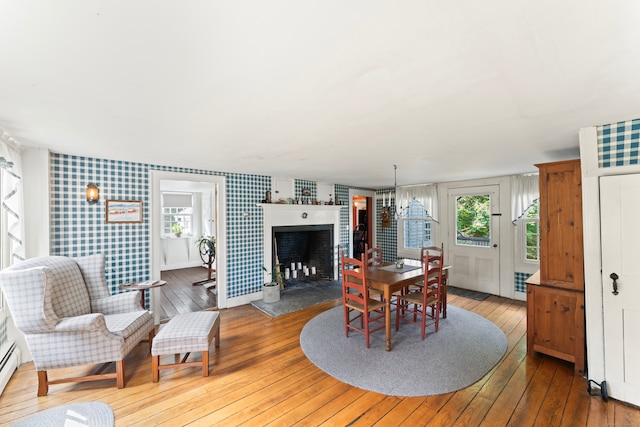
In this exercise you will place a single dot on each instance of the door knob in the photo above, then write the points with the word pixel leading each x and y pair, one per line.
pixel 614 277
pixel 495 245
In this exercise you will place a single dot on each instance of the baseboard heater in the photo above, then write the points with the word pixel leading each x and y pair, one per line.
pixel 9 363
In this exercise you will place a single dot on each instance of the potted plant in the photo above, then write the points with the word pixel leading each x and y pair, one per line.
pixel 177 229
pixel 271 288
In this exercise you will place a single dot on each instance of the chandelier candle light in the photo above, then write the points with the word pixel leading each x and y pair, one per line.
pixel 399 211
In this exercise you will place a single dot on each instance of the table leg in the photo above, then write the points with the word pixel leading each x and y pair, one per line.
pixel 142 297
pixel 387 318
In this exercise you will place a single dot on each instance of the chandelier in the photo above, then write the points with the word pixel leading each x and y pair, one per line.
pixel 399 211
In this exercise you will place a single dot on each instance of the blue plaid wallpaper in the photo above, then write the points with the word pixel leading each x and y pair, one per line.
pixel 618 144
pixel 78 228
pixel 386 236
pixel 519 279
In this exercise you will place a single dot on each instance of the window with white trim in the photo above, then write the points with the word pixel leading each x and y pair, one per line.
pixel 177 214
pixel 414 230
pixel 529 225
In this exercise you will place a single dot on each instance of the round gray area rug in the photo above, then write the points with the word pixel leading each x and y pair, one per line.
pixel 463 350
pixel 84 414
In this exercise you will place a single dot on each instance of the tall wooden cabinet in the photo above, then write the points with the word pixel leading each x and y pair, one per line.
pixel 555 294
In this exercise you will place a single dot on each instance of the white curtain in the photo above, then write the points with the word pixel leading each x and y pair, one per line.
pixel 11 199
pixel 525 190
pixel 427 195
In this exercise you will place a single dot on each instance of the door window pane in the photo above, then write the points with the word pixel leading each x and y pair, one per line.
pixel 473 220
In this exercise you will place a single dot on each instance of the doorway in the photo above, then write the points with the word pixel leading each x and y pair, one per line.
pixel 473 238
pixel 214 224
pixel 361 221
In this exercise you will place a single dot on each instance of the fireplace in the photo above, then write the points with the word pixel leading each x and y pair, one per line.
pixel 305 249
pixel 305 234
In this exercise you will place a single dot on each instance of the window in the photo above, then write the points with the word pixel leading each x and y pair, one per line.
pixel 177 214
pixel 414 230
pixel 530 234
pixel 473 220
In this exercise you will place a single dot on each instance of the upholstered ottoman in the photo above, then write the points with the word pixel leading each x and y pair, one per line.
pixel 183 334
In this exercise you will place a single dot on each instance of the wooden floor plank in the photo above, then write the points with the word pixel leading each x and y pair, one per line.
pixel 260 376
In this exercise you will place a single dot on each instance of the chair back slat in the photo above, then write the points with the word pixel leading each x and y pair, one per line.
pixel 372 256
pixel 433 259
pixel 354 282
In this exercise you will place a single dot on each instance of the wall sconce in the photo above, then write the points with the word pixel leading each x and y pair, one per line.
pixel 93 194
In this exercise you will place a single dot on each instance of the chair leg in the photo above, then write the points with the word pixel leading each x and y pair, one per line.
pixel 365 317
pixel 120 373
pixel 205 363
pixel 155 368
pixel 151 335
pixel 43 383
pixel 346 321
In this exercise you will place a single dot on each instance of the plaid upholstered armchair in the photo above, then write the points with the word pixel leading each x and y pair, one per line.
pixel 69 318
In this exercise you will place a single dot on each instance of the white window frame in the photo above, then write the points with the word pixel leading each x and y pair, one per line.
pixel 522 239
pixel 413 253
pixel 184 212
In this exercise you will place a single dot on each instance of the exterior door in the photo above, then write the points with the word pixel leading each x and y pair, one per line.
pixel 474 234
pixel 619 207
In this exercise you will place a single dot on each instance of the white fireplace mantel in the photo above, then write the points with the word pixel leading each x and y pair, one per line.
pixel 279 215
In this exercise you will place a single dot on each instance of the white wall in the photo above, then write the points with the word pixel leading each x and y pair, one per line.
pixel 179 252
pixel 35 185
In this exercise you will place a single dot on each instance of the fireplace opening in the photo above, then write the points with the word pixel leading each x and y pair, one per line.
pixel 309 246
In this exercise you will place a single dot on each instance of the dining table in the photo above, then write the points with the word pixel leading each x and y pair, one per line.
pixel 390 278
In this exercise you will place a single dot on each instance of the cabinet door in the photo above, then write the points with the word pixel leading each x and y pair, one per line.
pixel 555 323
pixel 561 250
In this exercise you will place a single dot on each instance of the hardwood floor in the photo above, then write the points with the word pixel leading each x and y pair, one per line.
pixel 179 295
pixel 260 376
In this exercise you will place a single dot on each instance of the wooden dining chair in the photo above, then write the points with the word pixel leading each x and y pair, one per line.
pixel 426 301
pixel 356 300
pixel 372 256
pixel 431 254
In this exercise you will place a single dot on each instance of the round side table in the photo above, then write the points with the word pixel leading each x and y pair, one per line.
pixel 142 287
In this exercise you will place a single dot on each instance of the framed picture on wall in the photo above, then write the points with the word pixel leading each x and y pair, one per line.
pixel 123 211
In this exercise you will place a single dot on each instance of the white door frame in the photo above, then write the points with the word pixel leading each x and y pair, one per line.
pixel 366 193
pixel 491 252
pixel 507 230
pixel 221 230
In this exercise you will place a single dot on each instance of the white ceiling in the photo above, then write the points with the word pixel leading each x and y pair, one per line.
pixel 331 90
